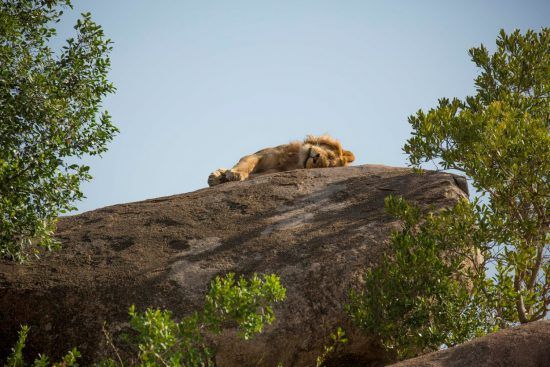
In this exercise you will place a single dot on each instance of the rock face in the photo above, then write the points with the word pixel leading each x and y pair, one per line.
pixel 524 346
pixel 317 229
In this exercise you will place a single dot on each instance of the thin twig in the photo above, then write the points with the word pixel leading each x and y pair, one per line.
pixel 111 344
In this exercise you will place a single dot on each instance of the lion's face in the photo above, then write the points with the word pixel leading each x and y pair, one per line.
pixel 319 157
pixel 322 156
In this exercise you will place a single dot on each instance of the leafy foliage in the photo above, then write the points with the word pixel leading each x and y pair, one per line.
pixel 430 289
pixel 246 302
pixel 16 358
pixel 160 340
pixel 50 104
pixel 435 286
pixel 337 339
pixel 500 139
pixel 164 342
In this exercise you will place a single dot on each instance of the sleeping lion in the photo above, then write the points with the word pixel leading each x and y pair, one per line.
pixel 313 152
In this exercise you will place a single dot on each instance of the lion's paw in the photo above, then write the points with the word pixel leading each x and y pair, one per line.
pixel 235 176
pixel 217 177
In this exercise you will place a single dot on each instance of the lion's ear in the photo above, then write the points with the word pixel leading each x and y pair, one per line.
pixel 348 156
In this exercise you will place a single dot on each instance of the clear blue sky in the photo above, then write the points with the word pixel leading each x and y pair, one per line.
pixel 202 83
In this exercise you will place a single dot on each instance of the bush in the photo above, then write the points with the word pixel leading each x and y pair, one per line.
pixel 430 288
pixel 160 340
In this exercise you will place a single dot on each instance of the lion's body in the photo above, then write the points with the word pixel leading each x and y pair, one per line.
pixel 313 152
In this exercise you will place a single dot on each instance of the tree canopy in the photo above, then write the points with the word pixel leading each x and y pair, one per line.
pixel 500 139
pixel 51 117
pixel 433 288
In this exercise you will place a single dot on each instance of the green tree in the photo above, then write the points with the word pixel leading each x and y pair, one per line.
pixel 431 289
pixel 500 140
pixel 50 103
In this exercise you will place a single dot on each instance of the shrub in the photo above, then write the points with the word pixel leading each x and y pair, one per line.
pixel 160 340
pixel 429 289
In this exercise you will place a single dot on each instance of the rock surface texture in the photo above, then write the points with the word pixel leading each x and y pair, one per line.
pixel 523 346
pixel 316 228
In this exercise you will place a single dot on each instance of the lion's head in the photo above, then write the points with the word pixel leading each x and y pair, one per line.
pixel 324 151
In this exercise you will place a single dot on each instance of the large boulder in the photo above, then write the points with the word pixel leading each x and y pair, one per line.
pixel 316 228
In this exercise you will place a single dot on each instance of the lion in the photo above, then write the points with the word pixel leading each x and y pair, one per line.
pixel 314 152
